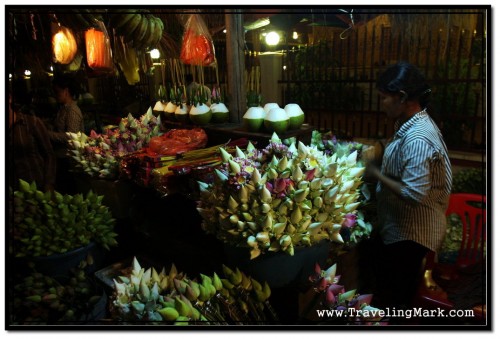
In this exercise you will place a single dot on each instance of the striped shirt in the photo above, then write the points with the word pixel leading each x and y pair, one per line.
pixel 69 118
pixel 417 157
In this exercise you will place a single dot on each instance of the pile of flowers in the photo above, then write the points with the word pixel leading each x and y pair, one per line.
pixel 328 143
pixel 281 197
pixel 98 154
pixel 340 305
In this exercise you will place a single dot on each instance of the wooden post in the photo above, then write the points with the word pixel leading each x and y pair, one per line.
pixel 235 43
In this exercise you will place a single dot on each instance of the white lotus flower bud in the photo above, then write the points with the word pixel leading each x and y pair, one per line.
pixel 346 186
pixel 336 237
pixel 225 155
pixel 336 227
pixel 297 174
pixel 252 241
pixel 136 267
pixel 331 170
pixel 300 195
pixel 279 227
pixel 303 150
pixel 272 174
pixel 268 223
pixel 285 241
pixel 252 226
pixel 222 177
pixel 275 138
pixel 250 147
pixel 202 185
pixel 265 195
pixel 274 161
pixel 283 209
pixel 289 203
pixel 283 164
pixel 234 167
pixel 243 195
pixel 330 195
pixel 322 217
pixel 290 229
pixel 296 215
pixel 254 253
pixel 240 225
pixel 239 153
pixel 318 202
pixel 256 177
pixel 292 149
pixel 351 207
pixel 247 216
pixel 265 208
pixel 305 223
pixel 351 159
pixel 315 227
pixel 232 204
pixel 304 184
pixel 356 172
pixel 326 183
pixel 263 237
pixel 315 184
pixel 234 219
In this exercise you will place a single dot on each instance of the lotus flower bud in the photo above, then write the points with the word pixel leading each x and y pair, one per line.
pixel 351 207
pixel 222 177
pixel 300 195
pixel 247 216
pixel 356 172
pixel 239 153
pixel 306 240
pixel 302 150
pixel 292 149
pixel 331 170
pixel 268 223
pixel 232 204
pixel 278 228
pixel 244 207
pixel 225 155
pixel 243 195
pixel 304 184
pixel 217 282
pixel 254 253
pixel 265 208
pixel 337 238
pixel 283 164
pixel 285 241
pixel 274 162
pixel 289 203
pixel 272 174
pixel 297 174
pixel 327 183
pixel 318 202
pixel 250 147
pixel 263 237
pixel 265 195
pixel 252 226
pixel 321 217
pixel 234 219
pixel 252 241
pixel 346 186
pixel 330 195
pixel 234 167
pixel 315 184
pixel 240 225
pixel 296 215
pixel 283 209
pixel 256 177
pixel 351 159
pixel 136 267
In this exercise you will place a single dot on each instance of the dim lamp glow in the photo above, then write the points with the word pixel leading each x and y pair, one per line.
pixel 295 35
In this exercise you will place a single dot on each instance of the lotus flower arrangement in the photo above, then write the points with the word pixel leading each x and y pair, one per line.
pixel 97 155
pixel 338 303
pixel 281 197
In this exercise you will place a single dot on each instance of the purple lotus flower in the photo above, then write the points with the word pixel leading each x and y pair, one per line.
pixel 349 220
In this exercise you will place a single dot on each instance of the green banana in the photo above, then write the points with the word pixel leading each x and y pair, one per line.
pixel 140 32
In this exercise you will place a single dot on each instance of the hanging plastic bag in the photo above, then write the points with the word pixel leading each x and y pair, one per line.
pixel 99 57
pixel 197 44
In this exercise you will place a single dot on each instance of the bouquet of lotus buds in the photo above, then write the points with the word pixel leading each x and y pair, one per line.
pixel 173 298
pixel 97 155
pixel 281 197
pixel 339 304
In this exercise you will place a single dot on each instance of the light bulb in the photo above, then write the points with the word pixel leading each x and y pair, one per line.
pixel 272 38
pixel 155 54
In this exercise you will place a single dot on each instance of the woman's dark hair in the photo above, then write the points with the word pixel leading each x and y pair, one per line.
pixel 406 79
pixel 67 81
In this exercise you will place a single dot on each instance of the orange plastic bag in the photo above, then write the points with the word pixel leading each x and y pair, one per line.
pixel 197 45
pixel 99 57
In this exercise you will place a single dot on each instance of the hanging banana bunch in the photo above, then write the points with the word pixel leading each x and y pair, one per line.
pixel 126 58
pixel 142 30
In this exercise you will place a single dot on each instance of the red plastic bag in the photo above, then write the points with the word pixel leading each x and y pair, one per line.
pixel 197 45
